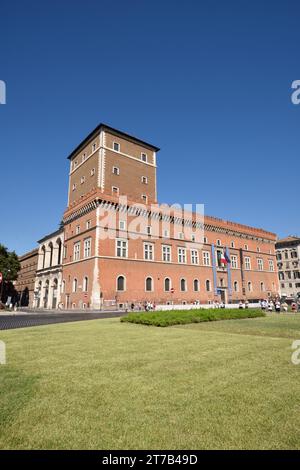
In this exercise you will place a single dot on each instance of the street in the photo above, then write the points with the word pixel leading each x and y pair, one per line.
pixel 24 320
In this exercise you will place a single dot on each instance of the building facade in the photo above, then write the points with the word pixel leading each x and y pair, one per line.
pixel 25 282
pixel 48 281
pixel 288 264
pixel 121 246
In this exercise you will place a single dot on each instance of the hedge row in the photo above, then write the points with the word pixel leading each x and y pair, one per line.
pixel 182 317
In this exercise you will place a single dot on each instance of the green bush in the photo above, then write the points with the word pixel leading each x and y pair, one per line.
pixel 182 317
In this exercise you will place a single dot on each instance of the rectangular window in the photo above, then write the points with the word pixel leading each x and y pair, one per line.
pixel 94 146
pixel 247 263
pixel 76 252
pixel 166 253
pixel 88 224
pixel 82 179
pixel 92 171
pixel 74 187
pixel 180 235
pixel 115 190
pixel 144 198
pixel 87 247
pixel 121 248
pixel 166 234
pixel 77 230
pixel 148 229
pixel 260 264
pixel 271 265
pixel 149 251
pixel 116 147
pixel 122 225
pixel 234 261
pixel 181 255
pixel 116 170
pixel 144 157
pixel 144 179
pixel 206 258
pixel 194 257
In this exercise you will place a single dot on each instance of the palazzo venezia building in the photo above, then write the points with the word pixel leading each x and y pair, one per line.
pixel 120 246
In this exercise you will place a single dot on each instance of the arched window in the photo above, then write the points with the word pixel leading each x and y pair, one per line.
pixel 167 284
pixel 149 283
pixel 182 285
pixel 75 285
pixel 249 286
pixel 236 286
pixel 44 256
pixel 196 285
pixel 207 285
pixel 218 242
pixel 51 254
pixel 63 286
pixel 120 283
pixel 59 244
pixel 262 286
pixel 85 284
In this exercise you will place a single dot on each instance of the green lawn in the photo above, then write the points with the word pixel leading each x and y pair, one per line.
pixel 106 384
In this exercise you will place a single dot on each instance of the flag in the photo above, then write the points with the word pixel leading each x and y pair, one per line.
pixel 223 258
pixel 226 257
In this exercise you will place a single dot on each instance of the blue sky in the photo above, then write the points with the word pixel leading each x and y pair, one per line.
pixel 207 82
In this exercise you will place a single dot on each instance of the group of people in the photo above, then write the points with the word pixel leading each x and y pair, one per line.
pixel 218 304
pixel 271 305
pixel 147 306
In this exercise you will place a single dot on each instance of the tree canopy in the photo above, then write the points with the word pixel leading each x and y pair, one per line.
pixel 9 264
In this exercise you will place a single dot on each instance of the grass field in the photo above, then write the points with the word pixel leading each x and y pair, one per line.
pixel 106 384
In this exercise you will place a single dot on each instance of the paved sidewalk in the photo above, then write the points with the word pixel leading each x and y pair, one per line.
pixel 11 320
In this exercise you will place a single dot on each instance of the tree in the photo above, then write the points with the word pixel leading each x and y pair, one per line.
pixel 9 266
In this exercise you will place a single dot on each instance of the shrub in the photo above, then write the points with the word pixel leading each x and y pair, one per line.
pixel 182 317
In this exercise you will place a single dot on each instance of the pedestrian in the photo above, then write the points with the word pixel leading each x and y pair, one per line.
pixel 132 306
pixel 241 304
pixel 277 306
pixel 294 307
pixel 285 306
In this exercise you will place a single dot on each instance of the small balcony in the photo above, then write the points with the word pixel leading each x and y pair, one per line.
pixel 221 269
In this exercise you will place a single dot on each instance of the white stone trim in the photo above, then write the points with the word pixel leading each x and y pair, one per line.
pixel 129 156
